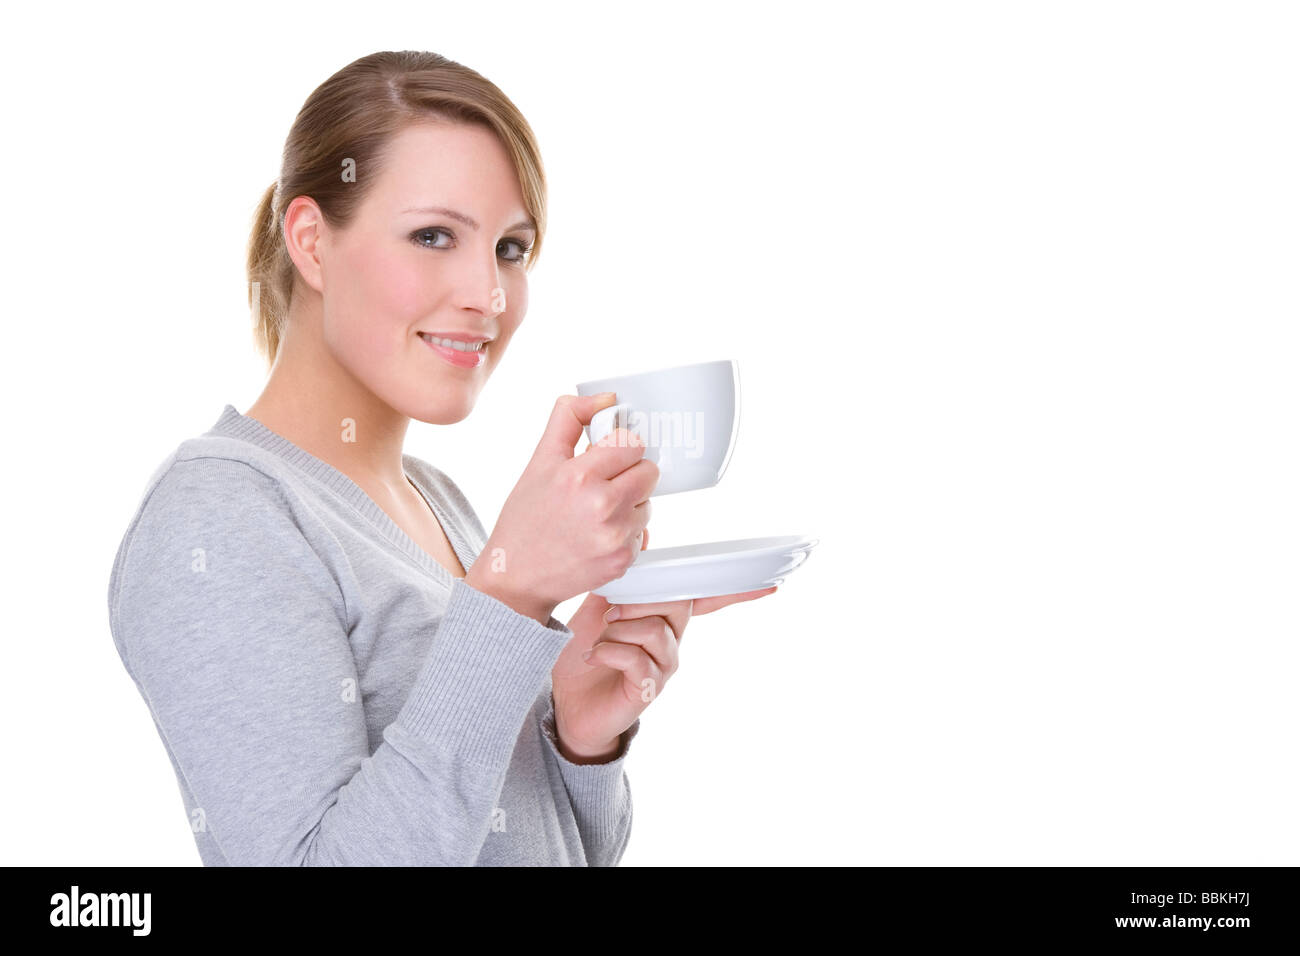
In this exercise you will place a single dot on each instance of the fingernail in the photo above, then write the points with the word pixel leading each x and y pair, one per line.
pixel 586 655
pixel 612 614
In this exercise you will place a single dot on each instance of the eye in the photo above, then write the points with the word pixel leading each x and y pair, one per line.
pixel 419 233
pixel 420 237
pixel 524 249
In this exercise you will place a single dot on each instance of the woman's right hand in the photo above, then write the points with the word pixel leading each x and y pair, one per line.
pixel 570 524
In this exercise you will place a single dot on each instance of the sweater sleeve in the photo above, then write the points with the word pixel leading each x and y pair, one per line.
pixel 235 631
pixel 599 793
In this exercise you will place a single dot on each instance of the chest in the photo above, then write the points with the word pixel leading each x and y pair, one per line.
pixel 422 527
pixel 412 514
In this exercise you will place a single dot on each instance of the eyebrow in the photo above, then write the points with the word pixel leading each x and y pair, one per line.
pixel 461 217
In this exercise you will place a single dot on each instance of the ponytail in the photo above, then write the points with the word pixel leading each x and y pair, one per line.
pixel 270 277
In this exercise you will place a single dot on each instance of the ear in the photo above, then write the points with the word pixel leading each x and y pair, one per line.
pixel 304 231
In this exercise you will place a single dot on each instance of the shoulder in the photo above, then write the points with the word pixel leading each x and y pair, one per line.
pixel 208 489
pixel 217 542
pixel 212 475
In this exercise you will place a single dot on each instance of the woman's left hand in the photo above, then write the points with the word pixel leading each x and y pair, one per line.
pixel 631 658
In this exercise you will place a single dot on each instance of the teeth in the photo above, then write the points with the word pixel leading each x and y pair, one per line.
pixel 453 344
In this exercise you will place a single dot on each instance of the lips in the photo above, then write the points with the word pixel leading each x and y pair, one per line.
pixel 458 336
pixel 469 347
pixel 461 357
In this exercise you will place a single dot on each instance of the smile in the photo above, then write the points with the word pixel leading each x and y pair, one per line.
pixel 453 344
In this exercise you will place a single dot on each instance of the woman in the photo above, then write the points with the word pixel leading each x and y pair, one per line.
pixel 337 677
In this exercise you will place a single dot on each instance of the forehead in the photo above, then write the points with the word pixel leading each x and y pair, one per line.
pixel 440 162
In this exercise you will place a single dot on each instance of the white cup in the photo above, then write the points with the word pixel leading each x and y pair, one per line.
pixel 688 417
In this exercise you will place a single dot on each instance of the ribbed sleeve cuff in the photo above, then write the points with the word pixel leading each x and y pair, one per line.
pixel 483 673
pixel 599 792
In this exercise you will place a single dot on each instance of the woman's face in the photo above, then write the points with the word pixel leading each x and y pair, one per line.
pixel 438 245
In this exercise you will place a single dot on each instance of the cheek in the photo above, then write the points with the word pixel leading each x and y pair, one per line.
pixel 516 305
pixel 519 300
pixel 383 295
pixel 394 289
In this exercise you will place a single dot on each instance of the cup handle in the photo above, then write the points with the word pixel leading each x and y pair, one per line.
pixel 606 420
pixel 616 416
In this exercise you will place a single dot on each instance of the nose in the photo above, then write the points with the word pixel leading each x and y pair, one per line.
pixel 480 288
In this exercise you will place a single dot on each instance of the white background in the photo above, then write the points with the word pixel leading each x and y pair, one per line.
pixel 1013 291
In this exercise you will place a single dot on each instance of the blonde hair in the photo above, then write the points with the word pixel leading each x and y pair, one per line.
pixel 349 120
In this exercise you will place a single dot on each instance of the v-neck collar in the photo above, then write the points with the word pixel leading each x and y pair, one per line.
pixel 235 425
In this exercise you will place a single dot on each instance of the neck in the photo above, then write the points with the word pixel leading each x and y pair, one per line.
pixel 318 405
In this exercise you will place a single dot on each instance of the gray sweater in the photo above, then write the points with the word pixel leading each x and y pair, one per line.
pixel 327 692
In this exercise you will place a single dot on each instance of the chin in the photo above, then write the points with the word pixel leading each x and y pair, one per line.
pixel 443 413
pixel 434 419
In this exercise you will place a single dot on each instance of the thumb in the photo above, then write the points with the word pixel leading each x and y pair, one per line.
pixel 572 413
pixel 591 615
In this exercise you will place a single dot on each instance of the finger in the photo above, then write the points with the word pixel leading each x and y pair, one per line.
pixel 709 604
pixel 571 414
pixel 645 537
pixel 642 677
pixel 638 481
pixel 641 518
pixel 616 454
pixel 642 515
pixel 628 612
pixel 656 639
pixel 676 613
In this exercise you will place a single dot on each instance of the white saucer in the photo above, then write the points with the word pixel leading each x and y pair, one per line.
pixel 704 570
